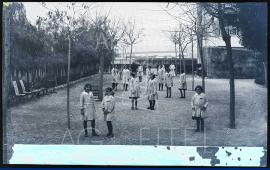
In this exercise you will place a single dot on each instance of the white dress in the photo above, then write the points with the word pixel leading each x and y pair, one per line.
pixel 125 76
pixel 182 81
pixel 114 80
pixel 87 103
pixel 147 74
pixel 161 76
pixel 151 90
pixel 134 88
pixel 108 103
pixel 140 71
pixel 199 101
pixel 172 68
pixel 168 80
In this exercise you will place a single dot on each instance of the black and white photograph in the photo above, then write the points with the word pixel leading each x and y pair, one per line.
pixel 135 83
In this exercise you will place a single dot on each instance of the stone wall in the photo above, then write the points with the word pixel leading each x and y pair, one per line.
pixel 216 62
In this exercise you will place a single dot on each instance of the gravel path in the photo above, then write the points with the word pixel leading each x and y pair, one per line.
pixel 44 120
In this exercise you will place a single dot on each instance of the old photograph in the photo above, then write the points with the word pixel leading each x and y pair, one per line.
pixel 135 83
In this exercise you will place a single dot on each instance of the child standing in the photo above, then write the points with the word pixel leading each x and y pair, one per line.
pixel 183 85
pixel 168 83
pixel 199 104
pixel 88 110
pixel 152 92
pixel 108 107
pixel 113 78
pixel 140 72
pixel 118 79
pixel 134 90
pixel 125 76
pixel 160 78
pixel 148 70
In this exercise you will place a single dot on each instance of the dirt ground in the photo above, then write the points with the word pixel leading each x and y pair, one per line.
pixel 44 121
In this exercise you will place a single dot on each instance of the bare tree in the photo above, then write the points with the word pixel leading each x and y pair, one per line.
pixel 221 11
pixel 116 31
pixel 108 33
pixel 69 18
pixel 173 35
pixel 132 37
pixel 183 41
pixel 192 19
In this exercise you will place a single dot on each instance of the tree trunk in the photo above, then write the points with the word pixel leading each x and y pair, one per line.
pixel 6 64
pixel 227 39
pixel 101 71
pixel 192 63
pixel 202 64
pixel 184 63
pixel 175 48
pixel 180 60
pixel 68 71
pixel 232 88
pixel 199 41
pixel 131 46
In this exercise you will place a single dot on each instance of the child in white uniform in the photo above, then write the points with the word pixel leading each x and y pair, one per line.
pixel 134 88
pixel 88 110
pixel 125 77
pixel 168 84
pixel 183 85
pixel 151 91
pixel 108 107
pixel 160 78
pixel 199 104
pixel 148 71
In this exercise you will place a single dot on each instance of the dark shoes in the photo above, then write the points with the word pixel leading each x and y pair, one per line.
pixel 94 134
pixel 110 135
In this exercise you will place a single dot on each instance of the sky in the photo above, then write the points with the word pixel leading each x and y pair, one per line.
pixel 149 16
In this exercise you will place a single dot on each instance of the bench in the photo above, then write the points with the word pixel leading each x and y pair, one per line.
pixel 16 93
pixel 33 92
pixel 39 87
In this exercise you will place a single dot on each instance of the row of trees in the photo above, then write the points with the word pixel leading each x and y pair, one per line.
pixel 42 51
pixel 65 45
pixel 196 24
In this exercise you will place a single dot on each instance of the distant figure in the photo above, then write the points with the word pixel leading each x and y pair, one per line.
pixel 168 83
pixel 161 77
pixel 148 71
pixel 88 110
pixel 183 85
pixel 172 70
pixel 125 77
pixel 199 104
pixel 108 107
pixel 114 81
pixel 134 88
pixel 151 91
pixel 112 70
pixel 154 71
pixel 140 72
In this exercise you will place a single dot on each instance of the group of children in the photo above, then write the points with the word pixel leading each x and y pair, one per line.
pixel 88 110
pixel 155 82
